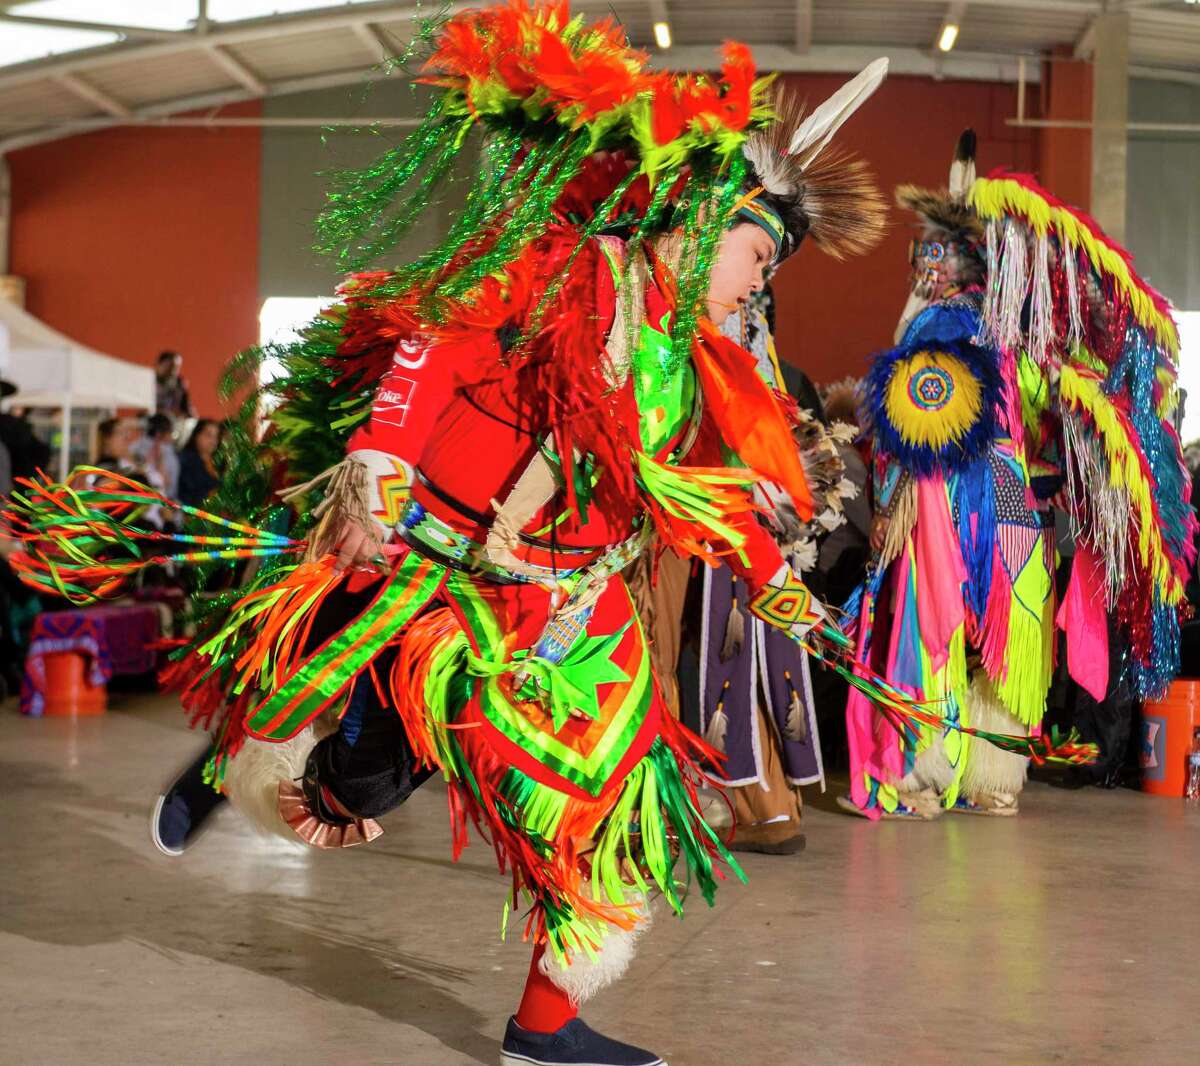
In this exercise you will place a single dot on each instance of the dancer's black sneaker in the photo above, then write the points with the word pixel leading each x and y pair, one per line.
pixel 183 809
pixel 572 1045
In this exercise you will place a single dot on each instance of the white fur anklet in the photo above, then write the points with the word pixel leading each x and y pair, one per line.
pixel 583 977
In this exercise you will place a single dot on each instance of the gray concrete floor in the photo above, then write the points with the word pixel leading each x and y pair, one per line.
pixel 1068 935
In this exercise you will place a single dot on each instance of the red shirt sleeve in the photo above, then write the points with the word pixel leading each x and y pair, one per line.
pixel 416 389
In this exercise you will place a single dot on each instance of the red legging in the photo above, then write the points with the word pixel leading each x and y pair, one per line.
pixel 544 1007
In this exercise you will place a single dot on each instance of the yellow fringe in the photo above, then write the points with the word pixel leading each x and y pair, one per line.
pixel 996 198
pixel 1084 390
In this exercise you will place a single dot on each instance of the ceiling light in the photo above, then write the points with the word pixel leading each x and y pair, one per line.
pixel 662 34
pixel 948 37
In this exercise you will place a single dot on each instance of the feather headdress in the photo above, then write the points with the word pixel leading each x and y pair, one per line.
pixel 830 196
pixel 948 208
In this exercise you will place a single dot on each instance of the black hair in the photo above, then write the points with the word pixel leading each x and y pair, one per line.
pixel 197 429
pixel 157 424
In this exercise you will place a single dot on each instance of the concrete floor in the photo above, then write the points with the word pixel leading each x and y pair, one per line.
pixel 1068 935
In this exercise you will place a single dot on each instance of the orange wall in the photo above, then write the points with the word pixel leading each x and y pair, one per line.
pixel 133 240
pixel 831 316
pixel 1065 155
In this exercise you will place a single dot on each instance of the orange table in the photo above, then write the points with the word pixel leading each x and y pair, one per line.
pixel 73 653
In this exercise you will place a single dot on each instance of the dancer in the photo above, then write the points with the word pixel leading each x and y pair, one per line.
pixel 536 397
pixel 1034 367
pixel 752 694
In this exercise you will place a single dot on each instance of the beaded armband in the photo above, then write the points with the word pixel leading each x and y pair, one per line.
pixel 787 605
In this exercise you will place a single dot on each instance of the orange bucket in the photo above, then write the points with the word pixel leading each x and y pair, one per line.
pixel 1167 728
pixel 68 691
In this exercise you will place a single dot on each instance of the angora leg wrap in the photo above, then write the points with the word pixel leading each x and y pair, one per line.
pixel 254 775
pixel 990 770
pixel 931 770
pixel 583 977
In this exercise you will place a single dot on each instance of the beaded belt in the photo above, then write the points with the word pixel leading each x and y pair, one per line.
pixel 436 539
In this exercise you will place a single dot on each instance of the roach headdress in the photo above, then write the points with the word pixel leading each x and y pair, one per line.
pixel 798 187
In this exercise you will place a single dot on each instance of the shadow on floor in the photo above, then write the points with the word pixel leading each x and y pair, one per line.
pixel 319 945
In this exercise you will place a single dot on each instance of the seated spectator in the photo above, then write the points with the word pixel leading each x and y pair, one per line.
pixel 197 463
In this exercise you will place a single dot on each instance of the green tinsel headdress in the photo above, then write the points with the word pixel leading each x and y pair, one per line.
pixel 558 101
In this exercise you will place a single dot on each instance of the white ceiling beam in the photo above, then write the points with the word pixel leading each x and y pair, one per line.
pixel 1074 7
pixel 226 34
pixel 197 102
pixel 375 42
pixel 842 58
pixel 1186 77
pixel 218 121
pixel 1168 20
pixel 92 95
pixel 236 69
pixel 133 32
pixel 802 33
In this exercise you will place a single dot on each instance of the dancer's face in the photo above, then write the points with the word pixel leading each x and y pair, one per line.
pixel 745 255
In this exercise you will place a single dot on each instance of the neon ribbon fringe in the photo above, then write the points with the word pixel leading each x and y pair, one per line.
pixel 1002 193
pixel 905 714
pixel 83 543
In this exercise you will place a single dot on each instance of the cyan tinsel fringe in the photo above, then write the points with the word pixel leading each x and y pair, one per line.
pixel 1135 375
pixel 1150 680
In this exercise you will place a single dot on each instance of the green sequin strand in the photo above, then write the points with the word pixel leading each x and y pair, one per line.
pixel 696 266
pixel 359 199
pixel 491 196
pixel 598 222
pixel 529 220
pixel 412 205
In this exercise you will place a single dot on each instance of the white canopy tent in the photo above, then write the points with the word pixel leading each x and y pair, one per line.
pixel 53 371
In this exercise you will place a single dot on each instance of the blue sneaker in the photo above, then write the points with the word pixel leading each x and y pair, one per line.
pixel 184 808
pixel 572 1045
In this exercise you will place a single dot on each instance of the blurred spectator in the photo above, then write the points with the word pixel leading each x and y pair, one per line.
pixel 802 389
pixel 197 463
pixel 27 454
pixel 118 447
pixel 171 396
pixel 841 402
pixel 156 453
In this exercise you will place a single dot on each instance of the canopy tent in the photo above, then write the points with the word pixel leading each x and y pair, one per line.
pixel 51 370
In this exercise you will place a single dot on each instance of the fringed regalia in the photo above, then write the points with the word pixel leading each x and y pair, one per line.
pixel 745 665
pixel 525 406
pixel 1035 370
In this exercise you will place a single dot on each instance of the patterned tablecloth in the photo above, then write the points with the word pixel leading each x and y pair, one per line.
pixel 114 640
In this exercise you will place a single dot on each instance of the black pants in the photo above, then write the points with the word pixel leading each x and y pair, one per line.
pixel 368 764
